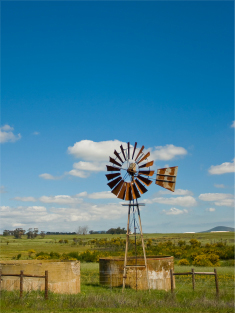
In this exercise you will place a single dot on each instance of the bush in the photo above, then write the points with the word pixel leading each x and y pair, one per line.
pixel 202 260
pixel 184 262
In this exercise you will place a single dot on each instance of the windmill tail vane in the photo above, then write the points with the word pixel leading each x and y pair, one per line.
pixel 131 172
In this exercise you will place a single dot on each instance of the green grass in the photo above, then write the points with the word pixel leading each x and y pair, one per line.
pixel 97 299
pixel 50 243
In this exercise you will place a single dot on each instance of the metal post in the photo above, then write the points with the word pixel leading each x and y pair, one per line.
pixel 46 285
pixel 0 281
pixel 21 283
pixel 142 239
pixel 172 281
pixel 193 279
pixel 127 240
pixel 216 283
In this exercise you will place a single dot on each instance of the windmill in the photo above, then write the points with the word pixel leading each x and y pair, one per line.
pixel 129 175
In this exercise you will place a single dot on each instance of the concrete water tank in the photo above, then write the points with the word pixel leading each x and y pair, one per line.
pixel 63 277
pixel 111 272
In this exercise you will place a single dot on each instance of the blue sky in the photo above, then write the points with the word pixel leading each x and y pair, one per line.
pixel 78 78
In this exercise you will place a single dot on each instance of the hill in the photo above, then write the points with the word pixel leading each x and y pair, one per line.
pixel 219 228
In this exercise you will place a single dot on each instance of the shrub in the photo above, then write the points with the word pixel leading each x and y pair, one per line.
pixel 202 260
pixel 195 243
pixel 183 262
pixel 181 243
pixel 214 259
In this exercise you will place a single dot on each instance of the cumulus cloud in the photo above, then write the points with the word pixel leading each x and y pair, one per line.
pixel 219 199
pixel 7 135
pixel 219 185
pixel 84 212
pixel 186 201
pixel 233 124
pixel 36 133
pixel 177 192
pixel 61 199
pixel 90 166
pixel 3 189
pixel 94 151
pixel 78 173
pixel 227 167
pixel 210 209
pixel 167 152
pixel 49 176
pixel 174 211
pixel 25 199
pixel 215 196
pixel 102 195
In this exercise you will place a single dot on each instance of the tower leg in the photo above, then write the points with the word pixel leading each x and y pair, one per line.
pixel 142 239
pixel 127 241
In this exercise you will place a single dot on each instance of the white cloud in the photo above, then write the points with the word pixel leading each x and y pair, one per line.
pixel 80 174
pixel 177 192
pixel 36 133
pixel 90 166
pixel 215 196
pixel 89 150
pixel 210 209
pixel 49 176
pixel 7 135
pixel 174 211
pixel 227 167
pixel 219 199
pixel 61 199
pixel 186 201
pixel 102 195
pixel 3 189
pixel 167 152
pixel 225 202
pixel 25 199
pixel 233 124
pixel 219 185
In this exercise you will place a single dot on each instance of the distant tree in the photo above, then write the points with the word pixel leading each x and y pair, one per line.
pixel 18 233
pixel 6 233
pixel 82 230
pixel 116 231
pixel 29 233
pixel 42 234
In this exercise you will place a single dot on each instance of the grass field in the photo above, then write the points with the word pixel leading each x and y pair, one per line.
pixel 10 247
pixel 96 298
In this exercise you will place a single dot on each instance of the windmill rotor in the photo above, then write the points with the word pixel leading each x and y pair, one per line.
pixel 131 172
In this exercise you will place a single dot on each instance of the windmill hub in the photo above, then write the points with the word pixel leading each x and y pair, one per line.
pixel 132 169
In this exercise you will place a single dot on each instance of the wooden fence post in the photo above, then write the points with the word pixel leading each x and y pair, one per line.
pixel 216 283
pixel 0 281
pixel 193 279
pixel 46 285
pixel 21 283
pixel 172 281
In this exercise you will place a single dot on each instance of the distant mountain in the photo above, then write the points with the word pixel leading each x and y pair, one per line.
pixel 219 228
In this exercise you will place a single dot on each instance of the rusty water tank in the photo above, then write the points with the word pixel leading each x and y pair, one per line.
pixel 111 272
pixel 63 277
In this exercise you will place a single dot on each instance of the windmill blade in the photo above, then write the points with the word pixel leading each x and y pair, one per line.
pixel 135 191
pixel 166 177
pixel 118 156
pixel 128 150
pixel 169 171
pixel 111 176
pixel 128 195
pixel 114 162
pixel 141 187
pixel 132 191
pixel 134 150
pixel 147 173
pixel 142 148
pixel 146 181
pixel 144 157
pixel 167 185
pixel 114 182
pixel 121 194
pixel 123 153
pixel 147 164
pixel 112 168
pixel 118 187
